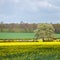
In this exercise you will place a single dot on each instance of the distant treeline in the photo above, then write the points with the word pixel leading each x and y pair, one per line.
pixel 15 27
pixel 57 28
pixel 23 27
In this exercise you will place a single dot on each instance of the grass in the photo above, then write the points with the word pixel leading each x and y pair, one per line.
pixel 19 35
pixel 57 35
pixel 16 35
pixel 30 51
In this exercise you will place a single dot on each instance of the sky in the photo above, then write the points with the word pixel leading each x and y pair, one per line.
pixel 30 11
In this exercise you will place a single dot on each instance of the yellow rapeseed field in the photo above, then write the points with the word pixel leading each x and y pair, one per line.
pixel 30 50
pixel 28 43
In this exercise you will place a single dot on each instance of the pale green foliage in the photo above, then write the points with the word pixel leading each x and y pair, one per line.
pixel 44 31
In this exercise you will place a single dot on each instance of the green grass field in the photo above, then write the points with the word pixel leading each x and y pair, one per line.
pixel 20 35
pixel 43 51
pixel 16 35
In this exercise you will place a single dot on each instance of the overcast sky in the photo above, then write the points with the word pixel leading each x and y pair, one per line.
pixel 31 11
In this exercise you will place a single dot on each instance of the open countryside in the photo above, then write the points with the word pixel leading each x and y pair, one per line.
pixel 29 29
pixel 30 51
pixel 25 46
pixel 4 35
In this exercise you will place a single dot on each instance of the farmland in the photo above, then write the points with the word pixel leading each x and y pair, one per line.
pixel 30 51
pixel 29 30
pixel 16 35
pixel 20 35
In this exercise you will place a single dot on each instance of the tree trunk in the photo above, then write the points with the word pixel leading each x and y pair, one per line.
pixel 43 39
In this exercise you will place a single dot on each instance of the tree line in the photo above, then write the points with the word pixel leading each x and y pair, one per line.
pixel 15 27
pixel 23 27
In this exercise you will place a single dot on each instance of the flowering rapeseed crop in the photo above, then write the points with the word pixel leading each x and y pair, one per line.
pixel 30 51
